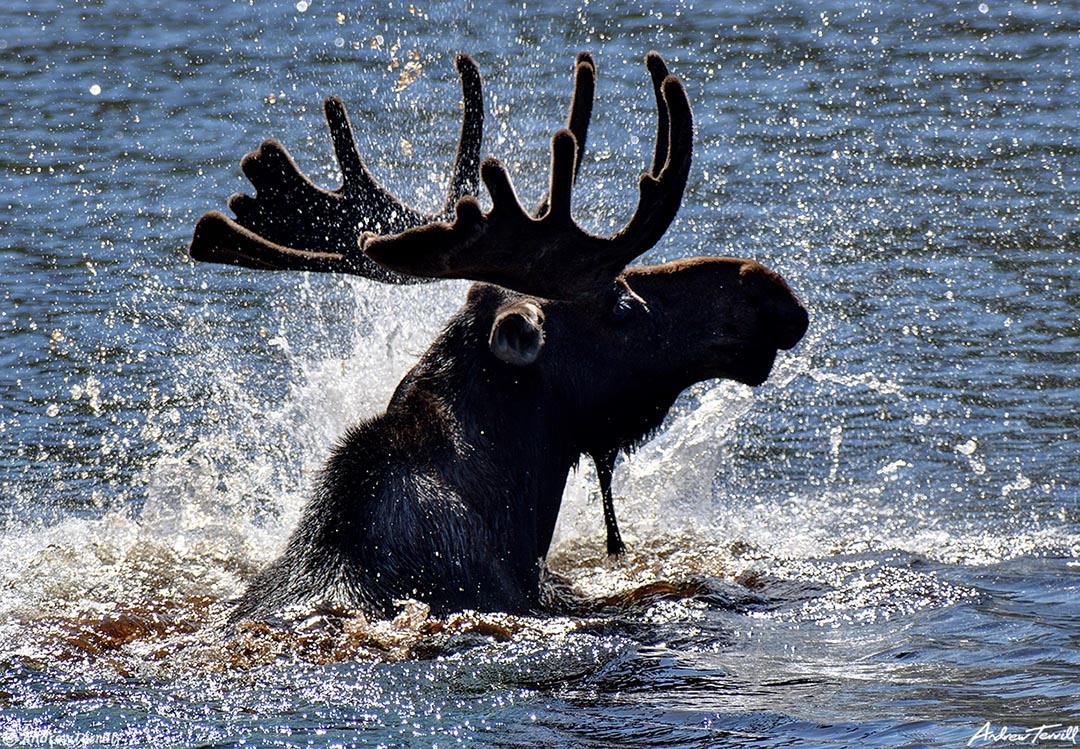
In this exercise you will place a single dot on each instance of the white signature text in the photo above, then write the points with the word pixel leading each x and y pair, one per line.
pixel 1051 732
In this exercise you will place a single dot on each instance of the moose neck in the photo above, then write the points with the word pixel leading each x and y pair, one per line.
pixel 513 446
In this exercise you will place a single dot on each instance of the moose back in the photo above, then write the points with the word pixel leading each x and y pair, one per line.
pixel 560 350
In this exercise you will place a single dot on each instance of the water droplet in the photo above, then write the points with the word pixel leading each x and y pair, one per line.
pixel 410 72
pixel 984 8
pixel 302 6
pixel 968 448
pixel 95 90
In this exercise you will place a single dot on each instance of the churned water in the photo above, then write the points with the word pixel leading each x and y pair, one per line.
pixel 878 548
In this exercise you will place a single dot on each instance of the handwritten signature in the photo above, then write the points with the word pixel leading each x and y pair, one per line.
pixel 1051 732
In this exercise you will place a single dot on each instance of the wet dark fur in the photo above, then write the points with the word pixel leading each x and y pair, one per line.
pixel 451 496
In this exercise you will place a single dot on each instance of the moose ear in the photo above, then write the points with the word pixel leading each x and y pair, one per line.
pixel 517 337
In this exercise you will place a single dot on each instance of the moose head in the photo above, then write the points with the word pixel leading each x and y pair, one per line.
pixel 560 350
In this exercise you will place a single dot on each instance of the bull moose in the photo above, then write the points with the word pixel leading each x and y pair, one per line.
pixel 560 350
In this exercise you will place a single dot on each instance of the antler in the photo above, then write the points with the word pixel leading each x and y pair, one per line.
pixel 550 255
pixel 292 224
pixel 580 114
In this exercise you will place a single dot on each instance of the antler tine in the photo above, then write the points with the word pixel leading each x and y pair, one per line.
pixel 581 105
pixel 577 122
pixel 662 188
pixel 292 224
pixel 465 179
pixel 220 239
pixel 659 73
pixel 550 255
pixel 564 151
pixel 358 184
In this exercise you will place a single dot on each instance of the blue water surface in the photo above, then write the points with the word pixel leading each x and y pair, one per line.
pixel 880 547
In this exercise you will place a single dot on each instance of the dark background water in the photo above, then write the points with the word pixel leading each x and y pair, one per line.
pixel 889 529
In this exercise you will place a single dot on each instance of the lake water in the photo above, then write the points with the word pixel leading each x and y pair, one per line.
pixel 880 547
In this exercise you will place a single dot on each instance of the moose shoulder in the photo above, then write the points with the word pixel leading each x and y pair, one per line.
pixel 451 496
